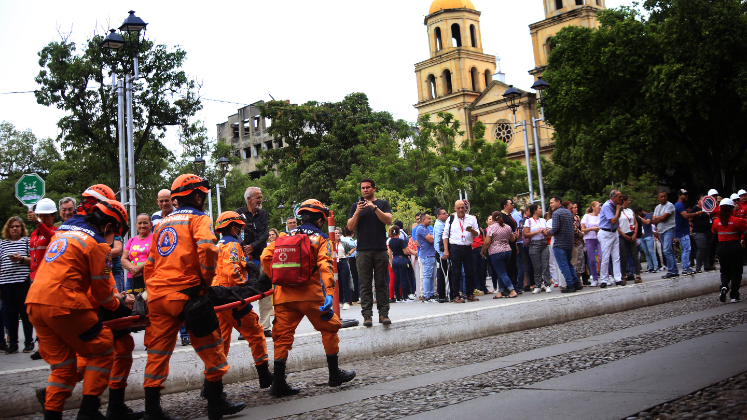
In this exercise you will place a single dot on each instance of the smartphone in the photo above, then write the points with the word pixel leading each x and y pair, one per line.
pixel 361 199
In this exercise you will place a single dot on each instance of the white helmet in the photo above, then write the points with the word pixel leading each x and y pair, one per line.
pixel 727 202
pixel 712 192
pixel 45 206
pixel 734 197
pixel 741 192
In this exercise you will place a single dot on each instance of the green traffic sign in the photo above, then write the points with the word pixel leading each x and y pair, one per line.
pixel 30 189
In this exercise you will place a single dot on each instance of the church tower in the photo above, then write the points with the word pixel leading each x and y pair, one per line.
pixel 457 71
pixel 559 14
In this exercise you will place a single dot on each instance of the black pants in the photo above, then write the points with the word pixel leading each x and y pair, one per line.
pixel 14 296
pixel 373 266
pixel 730 257
pixel 479 264
pixel 442 268
pixel 343 276
pixel 461 256
pixel 356 285
pixel 512 269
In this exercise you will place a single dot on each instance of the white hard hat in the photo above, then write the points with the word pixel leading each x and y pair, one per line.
pixel 741 192
pixel 45 206
pixel 712 192
pixel 727 202
pixel 734 197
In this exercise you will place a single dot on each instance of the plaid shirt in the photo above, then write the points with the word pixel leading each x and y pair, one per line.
pixel 562 228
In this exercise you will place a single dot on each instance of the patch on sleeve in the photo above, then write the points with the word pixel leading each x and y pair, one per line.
pixel 234 255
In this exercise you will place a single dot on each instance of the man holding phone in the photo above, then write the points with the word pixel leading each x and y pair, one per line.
pixel 457 239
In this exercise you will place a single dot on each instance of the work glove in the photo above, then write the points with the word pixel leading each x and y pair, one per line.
pixel 326 310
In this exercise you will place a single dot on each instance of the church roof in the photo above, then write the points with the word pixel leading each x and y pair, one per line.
pixel 450 4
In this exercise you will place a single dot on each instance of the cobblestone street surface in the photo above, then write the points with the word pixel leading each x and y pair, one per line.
pixel 422 399
pixel 724 400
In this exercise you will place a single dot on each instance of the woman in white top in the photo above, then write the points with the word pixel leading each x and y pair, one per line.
pixel 536 232
pixel 555 275
pixel 590 227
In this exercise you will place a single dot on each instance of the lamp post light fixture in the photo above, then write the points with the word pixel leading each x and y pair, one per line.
pixel 199 165
pixel 539 86
pixel 115 42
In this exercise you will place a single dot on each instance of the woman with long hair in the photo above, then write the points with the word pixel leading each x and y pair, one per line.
pixel 14 283
pixel 730 231
pixel 535 229
pixel 590 227
pixel 497 245
pixel 398 253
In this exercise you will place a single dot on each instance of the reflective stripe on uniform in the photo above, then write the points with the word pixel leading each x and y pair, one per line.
pixel 38 248
pixel 265 357
pixel 205 241
pixel 208 346
pixel 174 223
pixel 151 259
pixel 160 352
pixel 59 385
pixel 81 242
pixel 117 378
pixel 99 369
pixel 728 233
pixel 220 366
pixel 107 299
pixel 101 277
pixel 103 354
pixel 208 268
pixel 61 364
pixel 156 377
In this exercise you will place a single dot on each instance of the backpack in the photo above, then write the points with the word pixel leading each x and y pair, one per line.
pixel 291 260
pixel 440 247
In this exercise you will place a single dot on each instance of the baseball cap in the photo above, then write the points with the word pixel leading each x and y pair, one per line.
pixel 683 192
pixel 712 192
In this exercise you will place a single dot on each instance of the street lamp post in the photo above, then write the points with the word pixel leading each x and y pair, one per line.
pixel 223 164
pixel 132 26
pixel 539 86
pixel 512 96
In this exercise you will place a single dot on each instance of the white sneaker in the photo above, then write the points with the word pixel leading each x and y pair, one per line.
pixel 548 289
pixel 536 290
pixel 594 284
pixel 411 297
pixel 345 306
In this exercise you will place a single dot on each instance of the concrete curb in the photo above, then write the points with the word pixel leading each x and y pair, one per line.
pixel 17 386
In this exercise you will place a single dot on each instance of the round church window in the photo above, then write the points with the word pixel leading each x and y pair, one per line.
pixel 504 132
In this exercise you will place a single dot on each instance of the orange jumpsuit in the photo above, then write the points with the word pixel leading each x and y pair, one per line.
pixel 231 271
pixel 77 260
pixel 292 303
pixel 182 255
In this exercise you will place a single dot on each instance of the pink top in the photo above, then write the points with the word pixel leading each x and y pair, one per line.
pixel 137 251
pixel 499 237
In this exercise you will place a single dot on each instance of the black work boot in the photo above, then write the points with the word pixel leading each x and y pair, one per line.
pixel 89 408
pixel 153 410
pixel 218 404
pixel 338 376
pixel 279 387
pixel 203 392
pixel 117 410
pixel 265 376
pixel 52 415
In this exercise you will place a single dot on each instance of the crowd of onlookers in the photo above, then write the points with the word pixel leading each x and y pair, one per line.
pixel 446 256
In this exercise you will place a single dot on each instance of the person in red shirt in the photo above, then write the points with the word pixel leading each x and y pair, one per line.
pixel 730 231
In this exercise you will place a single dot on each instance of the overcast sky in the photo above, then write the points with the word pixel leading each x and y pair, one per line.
pixel 244 51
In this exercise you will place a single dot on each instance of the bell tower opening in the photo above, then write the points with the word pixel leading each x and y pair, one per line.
pixel 473 35
pixel 456 36
pixel 439 42
pixel 447 82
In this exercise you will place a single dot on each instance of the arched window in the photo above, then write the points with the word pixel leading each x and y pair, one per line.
pixel 475 80
pixel 548 48
pixel 439 43
pixel 473 35
pixel 447 82
pixel 558 4
pixel 579 2
pixel 599 2
pixel 503 131
pixel 488 78
pixel 431 84
pixel 456 35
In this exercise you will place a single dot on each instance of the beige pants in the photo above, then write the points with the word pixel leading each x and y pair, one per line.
pixel 264 307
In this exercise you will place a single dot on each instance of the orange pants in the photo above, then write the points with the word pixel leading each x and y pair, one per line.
pixel 62 333
pixel 248 326
pixel 123 347
pixel 160 339
pixel 287 317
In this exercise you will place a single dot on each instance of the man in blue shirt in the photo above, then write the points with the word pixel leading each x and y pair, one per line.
pixel 609 239
pixel 442 265
pixel 682 230
pixel 427 257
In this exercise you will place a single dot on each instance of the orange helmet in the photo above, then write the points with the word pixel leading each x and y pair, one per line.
pixel 100 192
pixel 228 217
pixel 184 184
pixel 313 206
pixel 116 210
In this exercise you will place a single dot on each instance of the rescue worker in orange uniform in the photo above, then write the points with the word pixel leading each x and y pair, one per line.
pixel 232 271
pixel 77 260
pixel 312 299
pixel 180 267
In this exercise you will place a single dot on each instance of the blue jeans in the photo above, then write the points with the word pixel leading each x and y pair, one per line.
pixel 500 262
pixel 648 249
pixel 685 244
pixel 565 264
pixel 493 273
pixel 667 245
pixel 119 281
pixel 399 267
pixel 429 272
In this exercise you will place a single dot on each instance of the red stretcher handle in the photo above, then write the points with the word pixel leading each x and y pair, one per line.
pixel 137 320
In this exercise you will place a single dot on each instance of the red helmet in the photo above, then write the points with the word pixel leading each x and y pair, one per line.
pixel 116 210
pixel 184 184
pixel 100 192
pixel 228 217
pixel 313 206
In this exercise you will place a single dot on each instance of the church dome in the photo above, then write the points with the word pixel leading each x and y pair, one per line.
pixel 450 4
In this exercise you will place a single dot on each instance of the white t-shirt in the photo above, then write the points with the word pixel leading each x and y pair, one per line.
pixel 534 225
pixel 626 220
pixel 590 221
pixel 458 234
